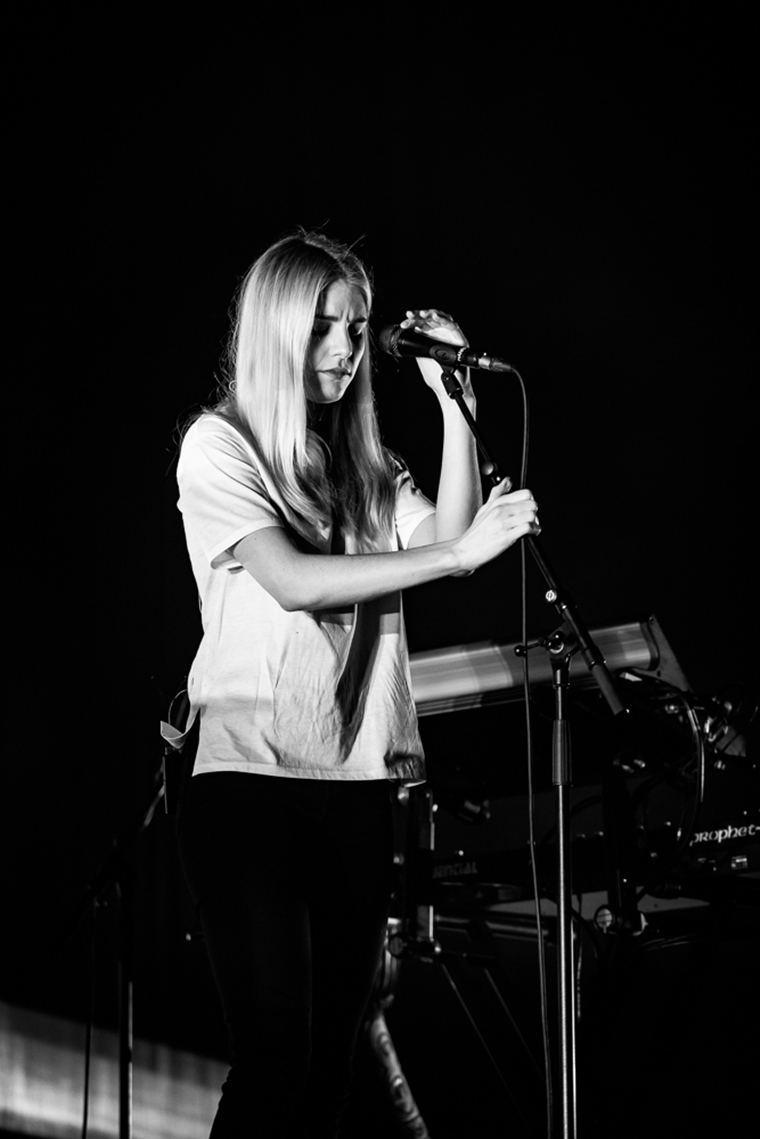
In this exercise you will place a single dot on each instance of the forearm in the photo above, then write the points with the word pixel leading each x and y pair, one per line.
pixel 298 580
pixel 302 581
pixel 459 490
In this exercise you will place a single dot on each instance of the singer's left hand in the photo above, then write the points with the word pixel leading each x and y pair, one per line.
pixel 438 326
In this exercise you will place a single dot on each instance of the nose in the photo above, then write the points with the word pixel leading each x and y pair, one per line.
pixel 341 343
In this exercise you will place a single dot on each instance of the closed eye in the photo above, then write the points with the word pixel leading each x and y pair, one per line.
pixel 322 325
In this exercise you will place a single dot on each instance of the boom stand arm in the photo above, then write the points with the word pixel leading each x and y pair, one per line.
pixel 578 638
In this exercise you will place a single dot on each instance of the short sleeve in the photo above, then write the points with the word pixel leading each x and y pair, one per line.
pixel 222 494
pixel 411 507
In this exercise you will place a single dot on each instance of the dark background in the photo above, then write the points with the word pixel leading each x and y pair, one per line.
pixel 577 194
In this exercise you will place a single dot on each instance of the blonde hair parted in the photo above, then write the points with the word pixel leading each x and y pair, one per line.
pixel 348 478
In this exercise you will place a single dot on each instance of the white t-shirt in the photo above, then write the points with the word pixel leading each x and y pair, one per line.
pixel 324 694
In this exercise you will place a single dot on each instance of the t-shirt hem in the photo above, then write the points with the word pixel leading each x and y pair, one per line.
pixel 337 773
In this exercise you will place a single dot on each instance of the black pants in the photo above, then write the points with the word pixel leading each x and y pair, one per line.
pixel 291 879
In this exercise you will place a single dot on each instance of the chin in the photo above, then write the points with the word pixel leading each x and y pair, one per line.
pixel 332 393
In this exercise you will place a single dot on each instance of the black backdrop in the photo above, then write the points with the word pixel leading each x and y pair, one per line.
pixel 577 194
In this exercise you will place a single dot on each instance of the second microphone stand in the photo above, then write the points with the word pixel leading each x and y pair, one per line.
pixel 573 637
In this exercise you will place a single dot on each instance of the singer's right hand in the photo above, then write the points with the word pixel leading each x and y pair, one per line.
pixel 438 325
pixel 502 520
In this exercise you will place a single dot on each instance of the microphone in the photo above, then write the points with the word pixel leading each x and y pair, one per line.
pixel 399 342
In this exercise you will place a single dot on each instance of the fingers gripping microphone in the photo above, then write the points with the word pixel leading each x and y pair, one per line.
pixel 397 341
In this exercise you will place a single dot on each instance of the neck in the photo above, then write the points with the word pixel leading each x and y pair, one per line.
pixel 319 419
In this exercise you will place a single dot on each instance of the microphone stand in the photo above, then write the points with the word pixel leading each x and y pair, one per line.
pixel 573 636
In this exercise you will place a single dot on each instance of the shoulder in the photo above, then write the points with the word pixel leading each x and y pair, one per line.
pixel 215 453
pixel 398 469
pixel 213 435
pixel 210 426
pixel 403 479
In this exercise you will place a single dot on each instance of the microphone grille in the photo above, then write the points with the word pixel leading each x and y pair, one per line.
pixel 388 339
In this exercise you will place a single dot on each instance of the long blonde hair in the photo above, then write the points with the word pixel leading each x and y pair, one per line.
pixel 348 478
